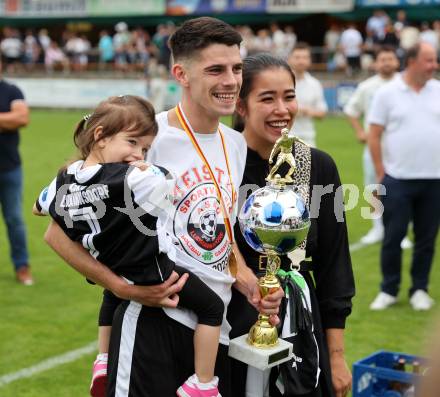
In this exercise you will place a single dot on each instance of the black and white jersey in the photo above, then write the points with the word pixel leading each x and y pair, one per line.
pixel 117 213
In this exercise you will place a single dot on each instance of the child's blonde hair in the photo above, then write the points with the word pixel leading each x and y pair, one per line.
pixel 118 113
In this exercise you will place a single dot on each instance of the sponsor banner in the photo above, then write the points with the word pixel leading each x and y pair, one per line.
pixel 75 93
pixel 396 3
pixel 188 7
pixel 337 95
pixel 82 8
pixel 43 8
pixel 163 94
pixel 306 6
pixel 131 7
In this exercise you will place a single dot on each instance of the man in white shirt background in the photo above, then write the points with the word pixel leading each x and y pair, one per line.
pixel 309 93
pixel 404 141
pixel 386 65
pixel 351 46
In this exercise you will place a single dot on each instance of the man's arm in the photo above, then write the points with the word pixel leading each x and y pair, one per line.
pixel 374 143
pixel 318 107
pixel 163 295
pixel 17 117
pixel 311 112
pixel 341 375
pixel 361 135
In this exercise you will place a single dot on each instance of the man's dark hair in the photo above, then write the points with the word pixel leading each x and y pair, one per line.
pixel 384 48
pixel 412 53
pixel 197 34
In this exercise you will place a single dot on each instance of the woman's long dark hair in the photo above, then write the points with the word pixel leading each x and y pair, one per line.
pixel 253 65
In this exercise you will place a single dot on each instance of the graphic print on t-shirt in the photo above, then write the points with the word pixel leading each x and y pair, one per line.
pixel 202 232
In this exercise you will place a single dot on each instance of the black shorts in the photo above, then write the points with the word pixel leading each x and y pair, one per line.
pixel 151 355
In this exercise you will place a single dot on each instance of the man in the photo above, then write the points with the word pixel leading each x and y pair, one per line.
pixel 151 352
pixel 14 114
pixel 404 143
pixel 309 93
pixel 386 65
pixel 351 46
pixel 376 24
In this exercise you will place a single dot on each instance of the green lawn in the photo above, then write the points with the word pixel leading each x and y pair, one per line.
pixel 59 313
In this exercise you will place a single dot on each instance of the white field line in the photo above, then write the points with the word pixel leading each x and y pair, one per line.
pixel 78 353
pixel 50 363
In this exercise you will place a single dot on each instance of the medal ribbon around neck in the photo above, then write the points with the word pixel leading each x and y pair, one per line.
pixel 189 131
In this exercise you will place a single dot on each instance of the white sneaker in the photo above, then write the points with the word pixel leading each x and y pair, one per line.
pixel 406 244
pixel 374 236
pixel 420 300
pixel 383 301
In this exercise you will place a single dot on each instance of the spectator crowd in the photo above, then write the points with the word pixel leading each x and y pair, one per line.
pixel 344 47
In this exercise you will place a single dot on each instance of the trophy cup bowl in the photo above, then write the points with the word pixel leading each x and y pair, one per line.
pixel 274 220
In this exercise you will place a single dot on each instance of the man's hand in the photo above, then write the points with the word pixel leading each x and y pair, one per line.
pixel 341 375
pixel 162 295
pixel 361 135
pixel 247 283
pixel 269 305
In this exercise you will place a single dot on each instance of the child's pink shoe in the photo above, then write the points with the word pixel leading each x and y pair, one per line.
pixel 193 388
pixel 99 378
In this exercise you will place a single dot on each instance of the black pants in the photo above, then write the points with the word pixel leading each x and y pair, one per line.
pixel 195 295
pixel 413 200
pixel 151 355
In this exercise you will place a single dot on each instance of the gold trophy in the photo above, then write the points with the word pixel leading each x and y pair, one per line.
pixel 274 221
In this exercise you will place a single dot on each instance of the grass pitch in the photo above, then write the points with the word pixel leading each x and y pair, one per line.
pixel 59 313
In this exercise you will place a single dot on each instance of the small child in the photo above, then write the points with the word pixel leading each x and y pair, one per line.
pixel 117 212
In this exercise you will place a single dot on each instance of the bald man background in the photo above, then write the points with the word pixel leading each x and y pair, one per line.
pixel 404 141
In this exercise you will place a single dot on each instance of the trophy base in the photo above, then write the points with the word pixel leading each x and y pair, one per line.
pixel 261 358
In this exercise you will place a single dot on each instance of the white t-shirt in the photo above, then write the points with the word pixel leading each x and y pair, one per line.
pixel 377 25
pixel 351 41
pixel 430 36
pixel 411 138
pixel 310 94
pixel 359 103
pixel 409 37
pixel 197 228
pixel 11 47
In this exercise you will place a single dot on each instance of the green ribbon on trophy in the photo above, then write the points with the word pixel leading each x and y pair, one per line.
pixel 295 288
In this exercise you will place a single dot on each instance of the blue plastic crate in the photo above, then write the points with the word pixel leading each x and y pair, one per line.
pixel 372 375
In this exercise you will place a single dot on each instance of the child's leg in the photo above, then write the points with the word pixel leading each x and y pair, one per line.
pixel 99 379
pixel 104 332
pixel 206 342
pixel 209 307
pixel 108 307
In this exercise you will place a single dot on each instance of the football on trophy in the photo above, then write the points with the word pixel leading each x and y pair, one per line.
pixel 274 219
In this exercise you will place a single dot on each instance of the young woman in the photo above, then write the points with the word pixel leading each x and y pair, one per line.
pixel 267 104
pixel 118 212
